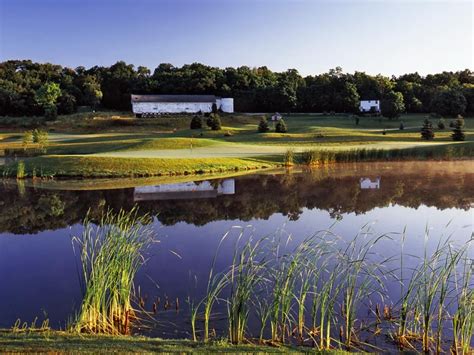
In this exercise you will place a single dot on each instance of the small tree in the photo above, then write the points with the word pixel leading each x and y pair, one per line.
pixel 427 130
pixel 214 108
pixel 196 122
pixel 27 138
pixel 402 126
pixel 280 127
pixel 46 96
pixel 41 138
pixel 214 122
pixel 458 130
pixel 263 125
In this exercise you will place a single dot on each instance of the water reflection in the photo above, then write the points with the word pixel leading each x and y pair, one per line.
pixel 338 191
pixel 185 190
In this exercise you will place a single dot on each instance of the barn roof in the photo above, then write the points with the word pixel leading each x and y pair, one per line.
pixel 173 98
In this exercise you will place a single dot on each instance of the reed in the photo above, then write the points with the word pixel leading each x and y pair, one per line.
pixel 244 276
pixel 288 157
pixel 111 252
pixel 463 318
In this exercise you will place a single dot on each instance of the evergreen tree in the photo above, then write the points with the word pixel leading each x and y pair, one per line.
pixel 427 130
pixel 196 122
pixel 263 125
pixel 280 127
pixel 214 122
pixel 458 130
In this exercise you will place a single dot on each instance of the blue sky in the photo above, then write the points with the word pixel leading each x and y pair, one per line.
pixel 388 37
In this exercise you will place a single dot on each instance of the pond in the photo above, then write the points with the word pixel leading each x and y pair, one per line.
pixel 412 205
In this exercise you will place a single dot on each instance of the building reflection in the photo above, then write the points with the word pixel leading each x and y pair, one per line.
pixel 368 183
pixel 184 191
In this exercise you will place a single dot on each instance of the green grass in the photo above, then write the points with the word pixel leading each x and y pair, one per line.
pixel 93 166
pixel 60 342
pixel 125 142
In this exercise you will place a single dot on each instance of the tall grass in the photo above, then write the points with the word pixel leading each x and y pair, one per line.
pixel 315 290
pixel 446 152
pixel 111 252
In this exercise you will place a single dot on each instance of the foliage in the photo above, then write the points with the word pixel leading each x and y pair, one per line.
pixel 214 122
pixel 392 104
pixel 263 125
pixel 441 124
pixel 46 96
pixel 427 130
pixel 288 157
pixel 111 253
pixel 254 89
pixel 281 127
pixel 458 130
pixel 449 102
pixel 40 137
pixel 196 122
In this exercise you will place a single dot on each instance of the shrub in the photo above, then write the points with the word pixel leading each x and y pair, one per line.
pixel 402 126
pixel 196 122
pixel 40 137
pixel 263 125
pixel 427 130
pixel 441 124
pixel 458 130
pixel 214 122
pixel 357 119
pixel 27 138
pixel 280 127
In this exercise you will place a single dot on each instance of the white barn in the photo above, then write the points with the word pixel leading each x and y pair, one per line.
pixel 144 105
pixel 369 105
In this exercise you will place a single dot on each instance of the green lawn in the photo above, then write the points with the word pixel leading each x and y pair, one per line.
pixel 114 144
pixel 61 342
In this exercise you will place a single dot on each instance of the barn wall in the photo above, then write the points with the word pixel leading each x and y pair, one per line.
pixel 366 105
pixel 171 107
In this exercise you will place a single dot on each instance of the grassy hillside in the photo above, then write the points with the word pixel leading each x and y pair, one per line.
pixel 116 144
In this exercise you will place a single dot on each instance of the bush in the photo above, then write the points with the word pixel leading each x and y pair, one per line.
pixel 402 126
pixel 458 130
pixel 27 138
pixel 196 122
pixel 280 127
pixel 263 125
pixel 214 122
pixel 40 137
pixel 441 124
pixel 427 130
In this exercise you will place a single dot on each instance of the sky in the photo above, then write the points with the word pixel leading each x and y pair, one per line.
pixel 390 37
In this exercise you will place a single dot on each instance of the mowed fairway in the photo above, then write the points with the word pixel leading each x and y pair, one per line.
pixel 166 145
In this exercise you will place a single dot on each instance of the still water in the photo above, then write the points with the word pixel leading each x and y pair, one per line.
pixel 39 271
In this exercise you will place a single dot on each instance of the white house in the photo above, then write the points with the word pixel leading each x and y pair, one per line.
pixel 367 183
pixel 369 106
pixel 149 105
pixel 184 190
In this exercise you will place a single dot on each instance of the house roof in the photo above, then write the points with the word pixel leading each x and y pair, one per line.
pixel 174 98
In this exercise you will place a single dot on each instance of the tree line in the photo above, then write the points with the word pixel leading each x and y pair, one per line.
pixel 34 89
